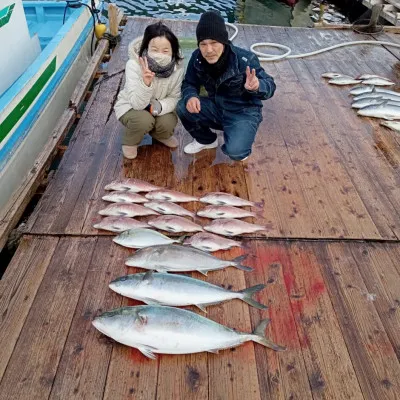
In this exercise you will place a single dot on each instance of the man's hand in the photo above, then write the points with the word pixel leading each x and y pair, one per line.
pixel 193 105
pixel 147 74
pixel 252 82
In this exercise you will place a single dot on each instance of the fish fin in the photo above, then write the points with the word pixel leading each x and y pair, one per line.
pixel 148 276
pixel 147 351
pixel 259 336
pixel 230 233
pixel 237 263
pixel 151 302
pixel 181 238
pixel 202 272
pixel 206 248
pixel 249 293
pixel 202 308
pixel 141 318
pixel 215 351
pixel 171 228
pixel 220 213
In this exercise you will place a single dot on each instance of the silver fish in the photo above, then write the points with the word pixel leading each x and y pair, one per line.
pixel 126 210
pixel 332 75
pixel 171 330
pixel 175 258
pixel 175 224
pixel 209 242
pixel 384 110
pixel 141 237
pixel 131 185
pixel 232 227
pixel 376 95
pixel 222 199
pixel 122 196
pixel 378 82
pixel 362 89
pixel 179 290
pixel 364 77
pixel 372 101
pixel 119 224
pixel 344 81
pixel 170 195
pixel 393 125
pixel 166 207
pixel 224 212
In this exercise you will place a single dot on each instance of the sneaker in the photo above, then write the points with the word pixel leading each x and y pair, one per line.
pixel 129 152
pixel 194 147
pixel 170 142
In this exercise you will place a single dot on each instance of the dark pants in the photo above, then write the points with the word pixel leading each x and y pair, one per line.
pixel 239 128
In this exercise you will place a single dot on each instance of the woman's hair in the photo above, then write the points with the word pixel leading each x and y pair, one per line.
pixel 156 30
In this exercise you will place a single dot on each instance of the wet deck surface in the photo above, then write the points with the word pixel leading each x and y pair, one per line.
pixel 329 181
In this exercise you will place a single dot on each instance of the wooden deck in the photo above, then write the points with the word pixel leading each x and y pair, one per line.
pixel 329 181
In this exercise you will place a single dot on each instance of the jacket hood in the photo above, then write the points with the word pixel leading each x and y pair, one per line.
pixel 134 47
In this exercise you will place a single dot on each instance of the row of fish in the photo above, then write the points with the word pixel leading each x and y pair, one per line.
pixel 364 79
pixel 370 98
pixel 326 13
pixel 157 327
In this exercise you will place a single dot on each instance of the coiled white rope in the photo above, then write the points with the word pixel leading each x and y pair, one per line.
pixel 287 55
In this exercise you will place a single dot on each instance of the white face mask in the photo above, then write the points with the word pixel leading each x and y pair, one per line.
pixel 159 58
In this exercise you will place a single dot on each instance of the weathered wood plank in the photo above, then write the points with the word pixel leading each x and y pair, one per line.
pixel 372 354
pixel 83 367
pixel 281 375
pixel 47 324
pixel 18 288
pixel 382 281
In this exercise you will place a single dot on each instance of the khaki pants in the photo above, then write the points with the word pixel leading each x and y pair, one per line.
pixel 138 123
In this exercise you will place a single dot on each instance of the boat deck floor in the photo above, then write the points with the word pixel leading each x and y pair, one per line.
pixel 329 184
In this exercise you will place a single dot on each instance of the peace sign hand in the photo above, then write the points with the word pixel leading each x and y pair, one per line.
pixel 147 74
pixel 252 82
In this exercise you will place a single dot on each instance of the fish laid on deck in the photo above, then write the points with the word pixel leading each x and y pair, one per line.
pixel 225 199
pixel 122 196
pixel 169 330
pixel 131 185
pixel 179 290
pixel 119 224
pixel 127 210
pixel 175 224
pixel 140 238
pixel 170 195
pixel 167 207
pixel 232 227
pixel 384 110
pixel 393 125
pixel 209 242
pixel 224 212
pixel 175 258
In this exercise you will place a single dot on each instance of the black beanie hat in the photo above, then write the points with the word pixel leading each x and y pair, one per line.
pixel 212 26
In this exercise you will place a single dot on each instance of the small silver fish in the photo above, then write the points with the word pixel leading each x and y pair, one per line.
pixel 224 212
pixel 175 258
pixel 122 196
pixel 393 125
pixel 170 195
pixel 362 89
pixel 166 207
pixel 141 237
pixel 179 290
pixel 171 330
pixel 332 75
pixel 131 185
pixel 119 224
pixel 384 110
pixel 126 210
pixel 378 82
pixel 232 227
pixel 222 199
pixel 342 81
pixel 376 95
pixel 209 242
pixel 372 101
pixel 175 224
pixel 365 77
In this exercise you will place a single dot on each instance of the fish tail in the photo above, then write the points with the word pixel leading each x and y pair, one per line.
pixel 237 262
pixel 259 336
pixel 249 293
pixel 181 239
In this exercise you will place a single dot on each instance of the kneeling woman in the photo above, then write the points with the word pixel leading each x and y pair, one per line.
pixel 153 78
